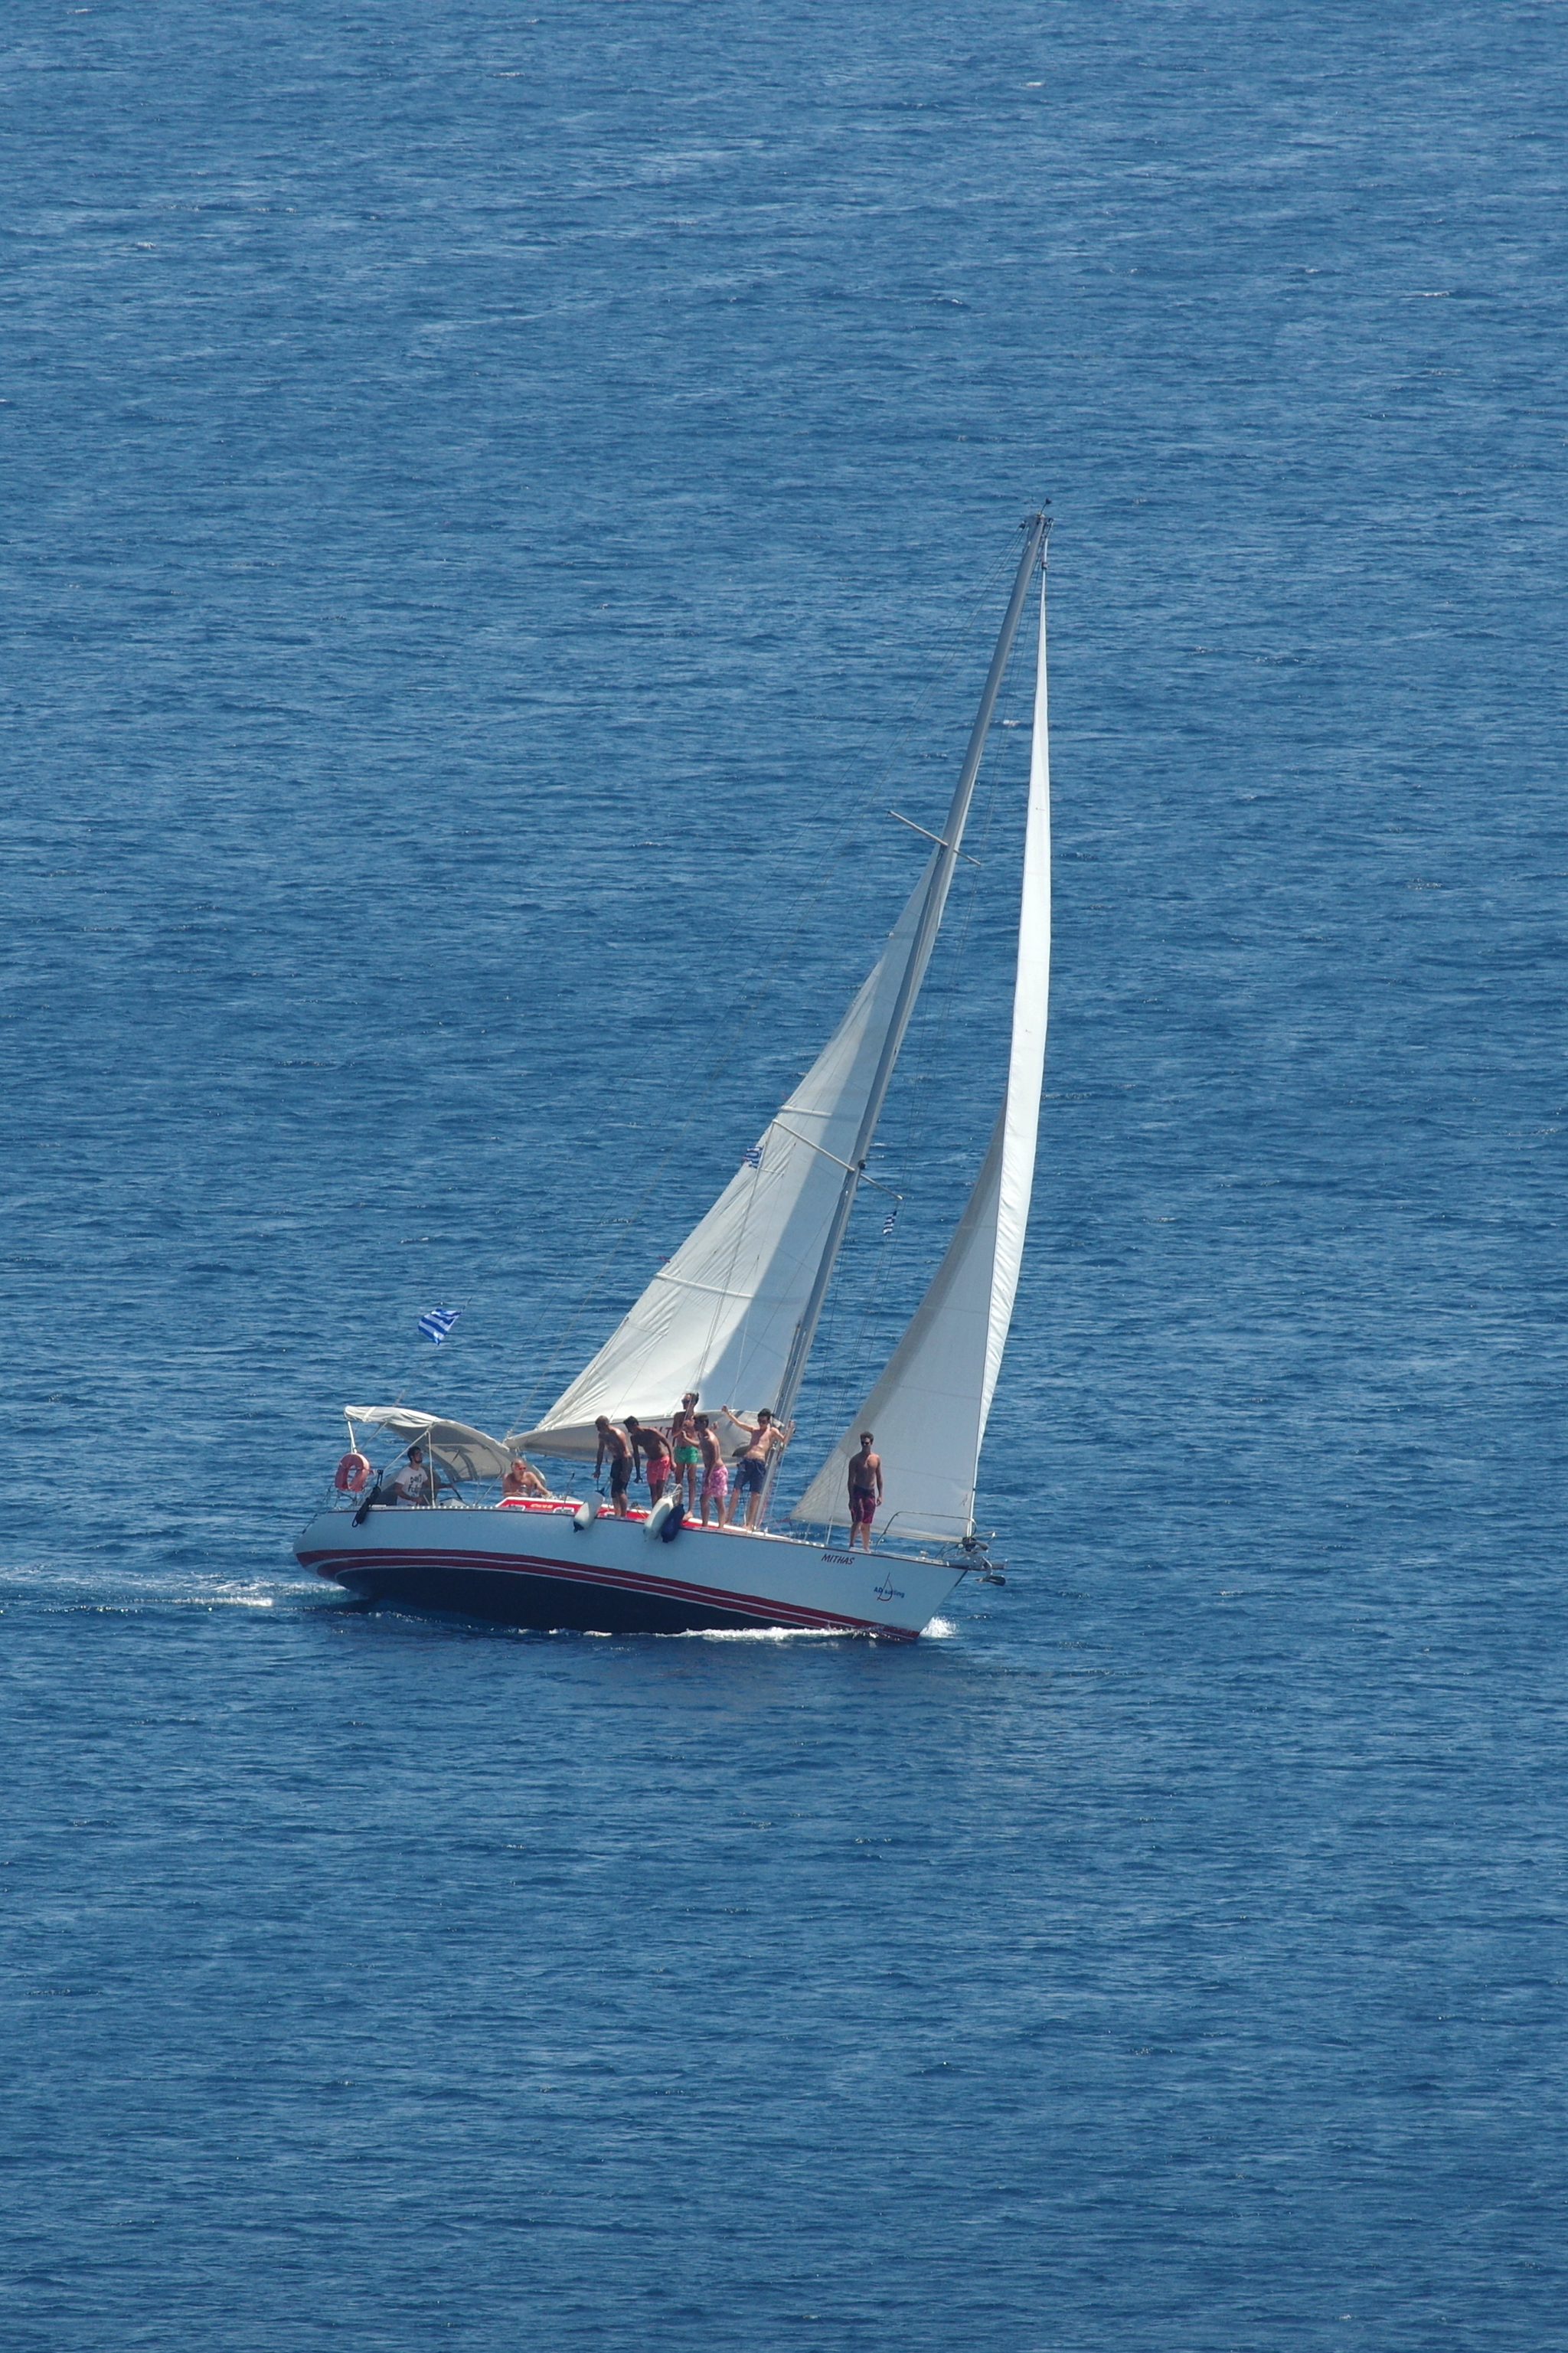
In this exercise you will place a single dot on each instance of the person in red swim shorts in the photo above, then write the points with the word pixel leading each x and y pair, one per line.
pixel 650 1442
pixel 865 1491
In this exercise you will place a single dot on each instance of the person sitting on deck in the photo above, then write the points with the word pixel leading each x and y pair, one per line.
pixel 414 1484
pixel 522 1479
pixel 614 1442
pixel 650 1443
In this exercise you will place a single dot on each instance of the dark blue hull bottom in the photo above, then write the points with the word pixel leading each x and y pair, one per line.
pixel 524 1598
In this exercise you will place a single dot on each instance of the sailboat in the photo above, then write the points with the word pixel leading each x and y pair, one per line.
pixel 734 1316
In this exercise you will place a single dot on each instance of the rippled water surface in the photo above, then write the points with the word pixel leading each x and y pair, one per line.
pixel 496 509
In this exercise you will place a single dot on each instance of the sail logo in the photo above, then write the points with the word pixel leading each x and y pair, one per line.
pixel 887 1590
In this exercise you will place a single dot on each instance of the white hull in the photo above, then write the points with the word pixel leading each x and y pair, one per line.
pixel 533 1566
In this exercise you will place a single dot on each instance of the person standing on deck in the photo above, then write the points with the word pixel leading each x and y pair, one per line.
pixel 715 1478
pixel 752 1467
pixel 688 1454
pixel 864 1491
pixel 613 1442
pixel 650 1443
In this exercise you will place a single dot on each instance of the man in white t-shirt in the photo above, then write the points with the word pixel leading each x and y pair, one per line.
pixel 414 1484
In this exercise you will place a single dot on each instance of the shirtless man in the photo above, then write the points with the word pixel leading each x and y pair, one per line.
pixel 649 1442
pixel 522 1479
pixel 715 1478
pixel 688 1447
pixel 751 1470
pixel 864 1491
pixel 613 1442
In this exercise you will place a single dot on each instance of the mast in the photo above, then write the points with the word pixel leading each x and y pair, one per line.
pixel 931 914
pixel 931 1403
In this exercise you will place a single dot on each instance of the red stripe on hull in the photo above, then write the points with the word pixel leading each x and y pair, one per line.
pixel 744 1605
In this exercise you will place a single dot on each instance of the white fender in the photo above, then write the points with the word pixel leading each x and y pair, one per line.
pixel 660 1514
pixel 584 1517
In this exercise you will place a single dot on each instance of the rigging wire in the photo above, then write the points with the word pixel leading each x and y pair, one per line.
pixel 760 978
pixel 930 1044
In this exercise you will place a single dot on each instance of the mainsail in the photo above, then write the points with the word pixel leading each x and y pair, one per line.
pixel 720 1318
pixel 929 1410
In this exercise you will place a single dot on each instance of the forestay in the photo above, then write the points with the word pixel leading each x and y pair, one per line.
pixel 929 1410
pixel 719 1317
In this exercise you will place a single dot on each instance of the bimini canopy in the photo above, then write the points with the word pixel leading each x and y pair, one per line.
pixel 462 1452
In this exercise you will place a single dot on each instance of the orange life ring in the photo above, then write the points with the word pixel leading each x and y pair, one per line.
pixel 351 1474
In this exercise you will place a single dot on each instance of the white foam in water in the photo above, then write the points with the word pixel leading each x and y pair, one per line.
pixel 939 1630
pixel 761 1634
pixel 45 1585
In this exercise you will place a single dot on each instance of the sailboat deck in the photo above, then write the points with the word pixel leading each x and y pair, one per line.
pixel 558 1505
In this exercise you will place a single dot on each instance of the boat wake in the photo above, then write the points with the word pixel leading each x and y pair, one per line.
pixel 762 1634
pixel 939 1630
pixel 47 1586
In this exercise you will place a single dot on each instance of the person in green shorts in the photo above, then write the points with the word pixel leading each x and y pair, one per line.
pixel 686 1442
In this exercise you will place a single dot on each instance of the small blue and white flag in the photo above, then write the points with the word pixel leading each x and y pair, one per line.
pixel 892 1219
pixel 753 1156
pixel 438 1322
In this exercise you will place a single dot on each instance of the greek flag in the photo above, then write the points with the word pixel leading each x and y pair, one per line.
pixel 753 1156
pixel 438 1322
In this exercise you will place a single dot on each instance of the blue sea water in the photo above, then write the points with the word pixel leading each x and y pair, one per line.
pixel 497 508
